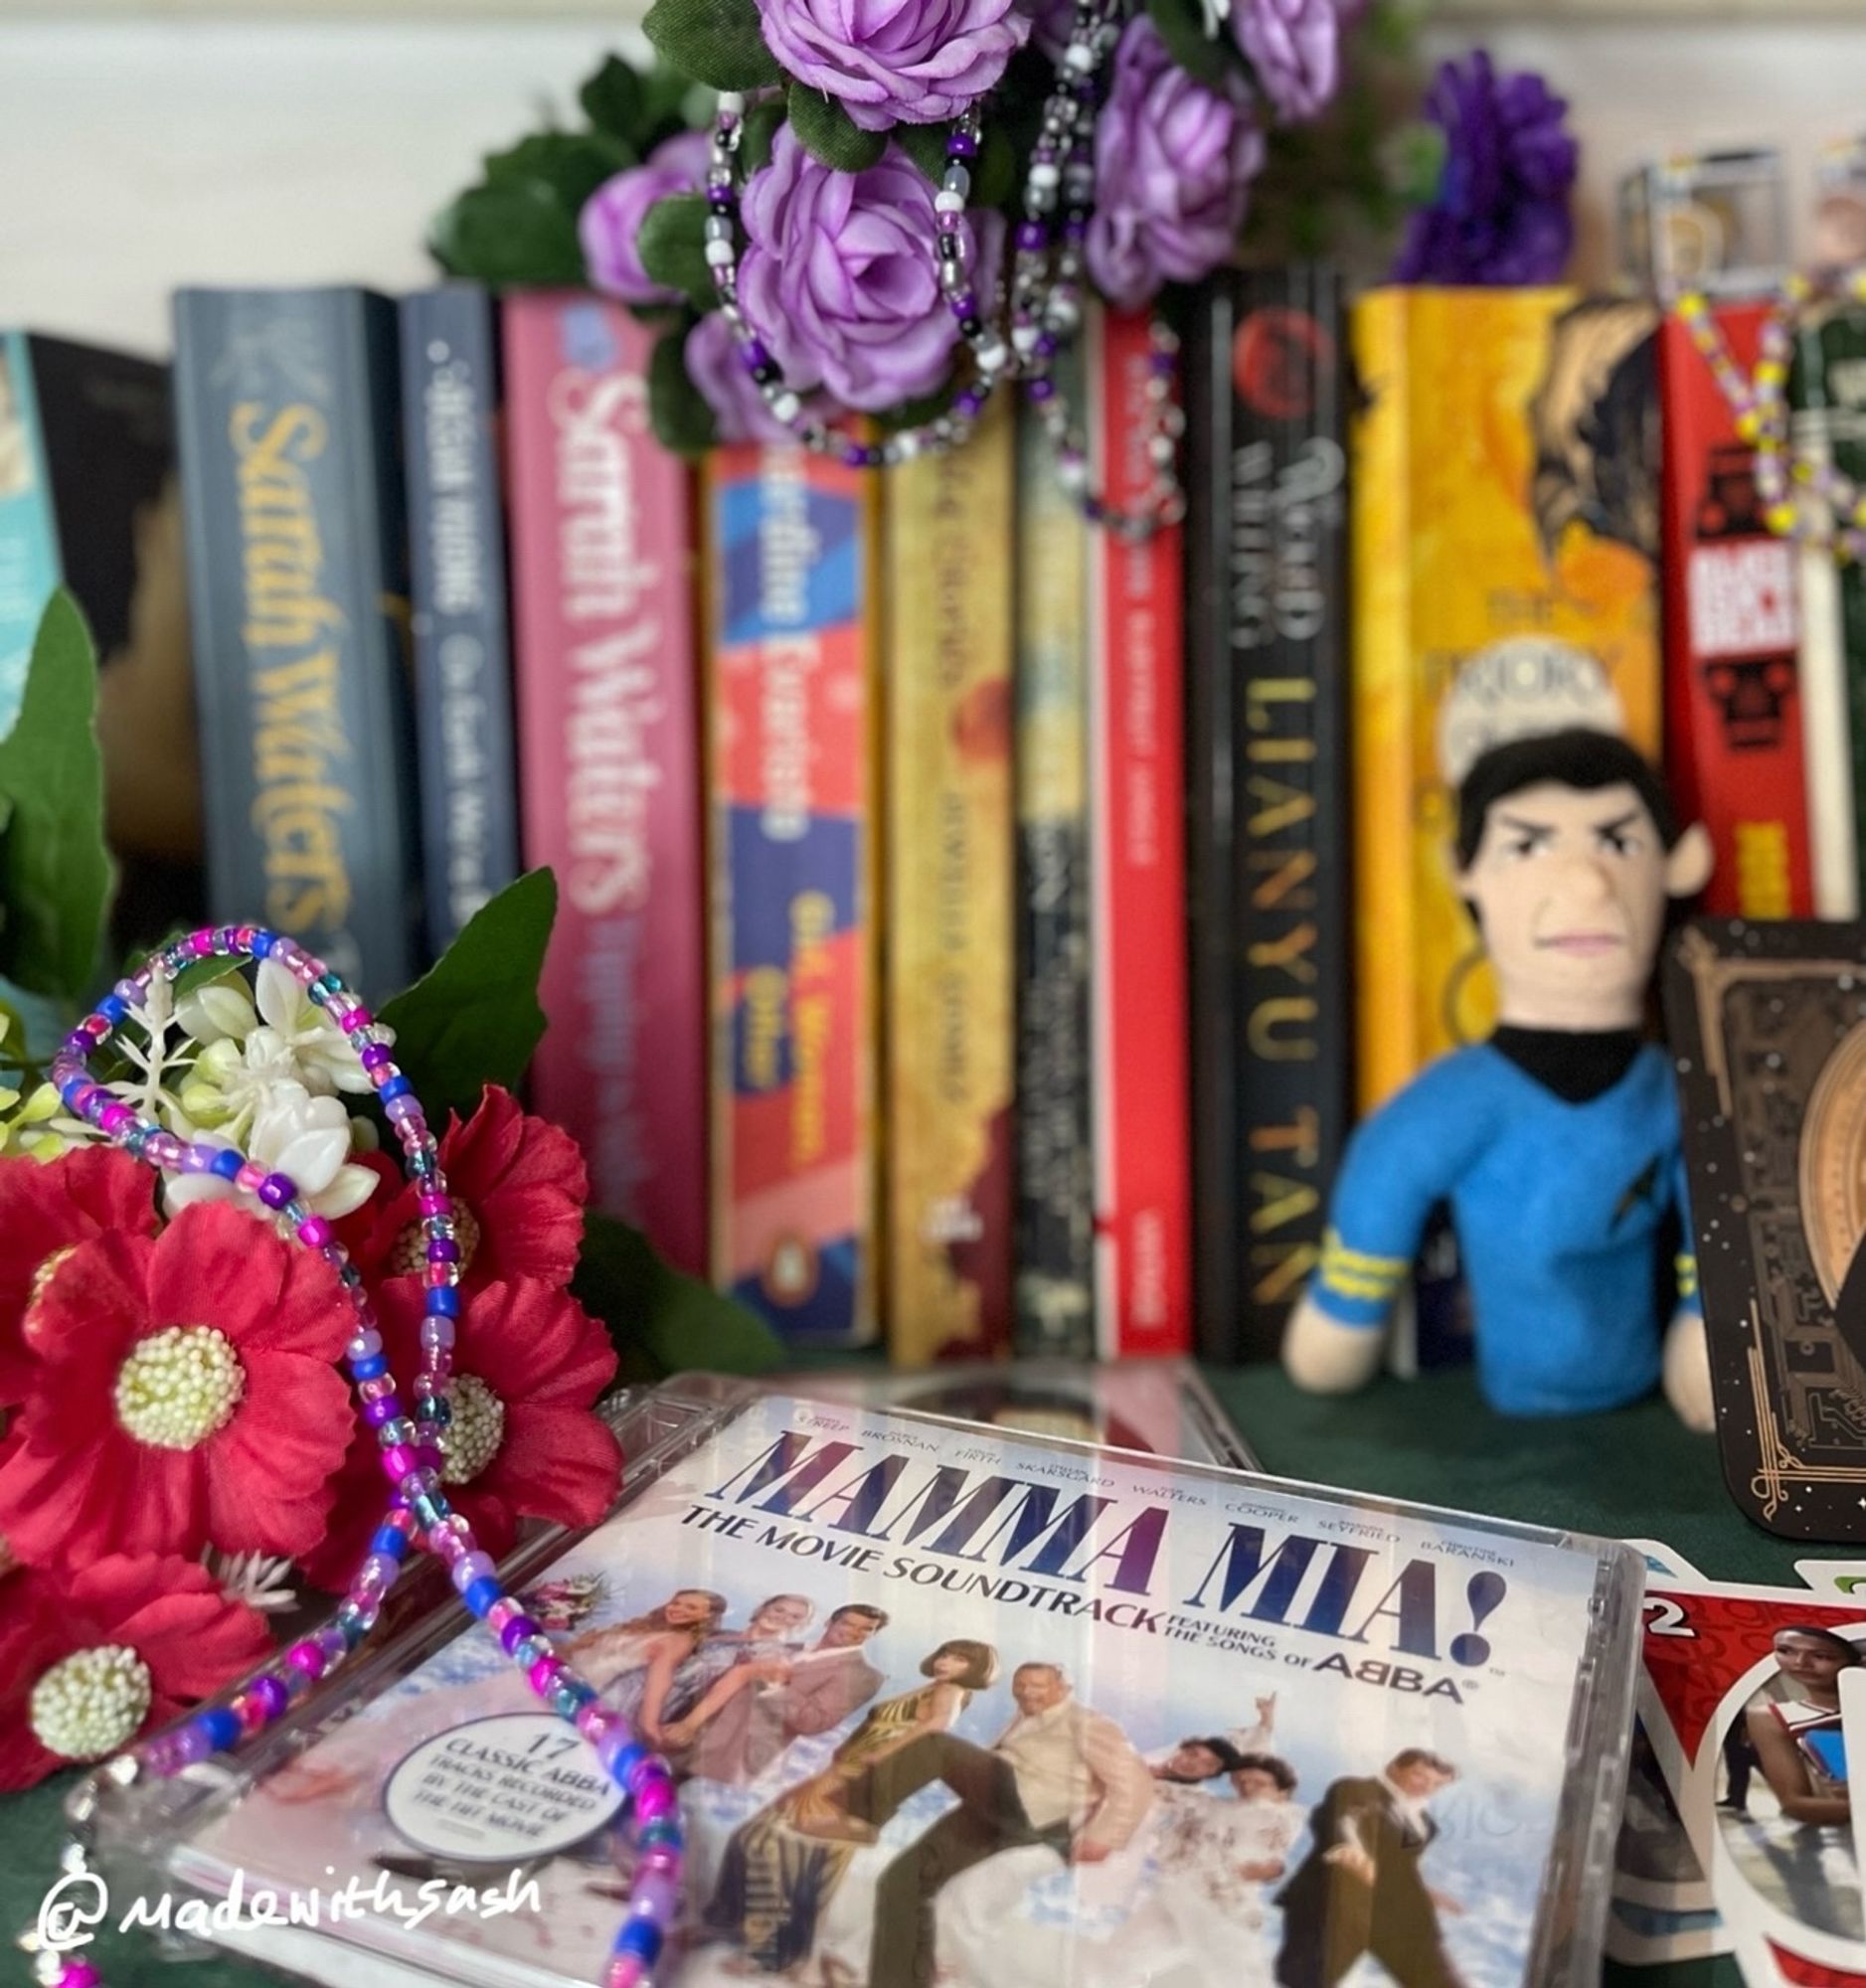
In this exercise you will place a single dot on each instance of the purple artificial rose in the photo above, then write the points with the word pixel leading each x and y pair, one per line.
pixel 838 279
pixel 1174 161
pixel 896 62
pixel 716 365
pixel 1294 47
pixel 1501 215
pixel 609 226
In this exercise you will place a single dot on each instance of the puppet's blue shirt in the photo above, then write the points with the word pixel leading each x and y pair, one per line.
pixel 1560 1210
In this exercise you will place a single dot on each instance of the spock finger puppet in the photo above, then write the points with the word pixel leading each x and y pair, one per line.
pixel 1556 1142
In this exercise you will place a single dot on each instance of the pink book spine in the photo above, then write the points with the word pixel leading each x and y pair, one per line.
pixel 610 760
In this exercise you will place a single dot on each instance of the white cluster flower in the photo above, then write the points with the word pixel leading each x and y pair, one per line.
pixel 248 1053
pixel 290 1132
pixel 260 1581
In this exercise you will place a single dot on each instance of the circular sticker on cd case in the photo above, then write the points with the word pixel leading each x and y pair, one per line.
pixel 517 1785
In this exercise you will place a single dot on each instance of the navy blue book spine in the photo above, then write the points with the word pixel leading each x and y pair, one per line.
pixel 288 434
pixel 463 639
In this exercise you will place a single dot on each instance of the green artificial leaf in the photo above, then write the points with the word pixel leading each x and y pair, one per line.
pixel 1207 59
pixel 915 414
pixel 827 131
pixel 473 1018
pixel 660 1320
pixel 926 146
pixel 994 172
pixel 674 103
pixel 511 233
pixel 614 102
pixel 760 134
pixel 683 422
pixel 571 164
pixel 718 41
pixel 672 247
pixel 56 876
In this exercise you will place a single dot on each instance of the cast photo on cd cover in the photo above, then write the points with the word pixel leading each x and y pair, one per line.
pixel 965 1709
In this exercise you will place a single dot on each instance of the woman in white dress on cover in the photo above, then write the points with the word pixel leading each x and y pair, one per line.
pixel 1184 1906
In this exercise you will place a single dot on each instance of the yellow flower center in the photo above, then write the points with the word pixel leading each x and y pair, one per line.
pixel 471 1440
pixel 179 1386
pixel 91 1703
pixel 407 1255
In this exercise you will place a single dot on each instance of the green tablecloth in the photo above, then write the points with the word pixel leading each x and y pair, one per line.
pixel 1634 1473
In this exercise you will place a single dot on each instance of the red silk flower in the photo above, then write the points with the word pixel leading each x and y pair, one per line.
pixel 185 1391
pixel 518 1186
pixel 90 1658
pixel 528 1363
pixel 47 1207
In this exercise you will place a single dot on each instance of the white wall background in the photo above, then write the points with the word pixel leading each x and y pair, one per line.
pixel 158 148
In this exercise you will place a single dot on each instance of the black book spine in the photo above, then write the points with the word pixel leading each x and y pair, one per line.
pixel 1055 1285
pixel 289 442
pixel 463 639
pixel 1210 822
pixel 1271 795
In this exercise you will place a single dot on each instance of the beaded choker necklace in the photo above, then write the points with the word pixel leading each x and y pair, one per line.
pixel 1045 292
pixel 418 1512
pixel 1803 495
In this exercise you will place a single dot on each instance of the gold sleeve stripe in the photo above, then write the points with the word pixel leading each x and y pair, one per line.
pixel 1351 1283
pixel 1335 1250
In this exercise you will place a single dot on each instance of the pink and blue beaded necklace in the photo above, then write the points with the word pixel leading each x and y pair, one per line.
pixel 418 1513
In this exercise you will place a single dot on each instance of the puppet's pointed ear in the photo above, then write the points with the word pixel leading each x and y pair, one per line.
pixel 1688 865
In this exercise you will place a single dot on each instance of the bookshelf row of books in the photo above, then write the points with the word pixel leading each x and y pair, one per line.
pixel 974 929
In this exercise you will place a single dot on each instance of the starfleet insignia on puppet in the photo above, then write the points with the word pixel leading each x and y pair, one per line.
pixel 1556 1142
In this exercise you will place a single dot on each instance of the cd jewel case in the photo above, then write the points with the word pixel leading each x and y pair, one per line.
pixel 955 1707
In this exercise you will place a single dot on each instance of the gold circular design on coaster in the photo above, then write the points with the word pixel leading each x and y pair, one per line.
pixel 1832 1167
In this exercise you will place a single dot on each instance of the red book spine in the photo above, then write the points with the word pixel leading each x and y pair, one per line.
pixel 1733 707
pixel 1143 1130
pixel 610 760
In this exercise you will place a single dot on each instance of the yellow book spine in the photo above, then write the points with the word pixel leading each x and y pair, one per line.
pixel 1385 964
pixel 948 924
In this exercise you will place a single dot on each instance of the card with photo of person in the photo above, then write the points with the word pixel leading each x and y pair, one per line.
pixel 1741 1698
pixel 966 1706
pixel 1834 1576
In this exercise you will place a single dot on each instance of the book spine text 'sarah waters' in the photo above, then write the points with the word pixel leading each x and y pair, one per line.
pixel 1272 1014
pixel 462 647
pixel 1137 980
pixel 610 766
pixel 288 431
pixel 946 779
pixel 1504 554
pixel 1736 750
pixel 790 548
pixel 1055 1279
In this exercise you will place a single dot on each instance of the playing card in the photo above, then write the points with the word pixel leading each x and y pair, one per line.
pixel 1655 1865
pixel 1834 1576
pixel 1741 1700
pixel 1665 1562
pixel 1647 1936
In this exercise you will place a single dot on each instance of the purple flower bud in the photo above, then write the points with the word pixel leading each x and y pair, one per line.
pixel 1174 161
pixel 1295 48
pixel 609 226
pixel 896 62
